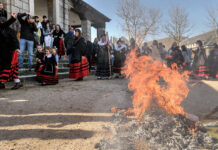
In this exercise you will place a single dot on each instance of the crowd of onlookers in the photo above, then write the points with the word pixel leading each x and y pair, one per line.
pixel 196 61
pixel 102 55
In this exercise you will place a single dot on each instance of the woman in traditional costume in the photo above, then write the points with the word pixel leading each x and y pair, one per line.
pixel 200 62
pixel 79 67
pixel 58 41
pixel 119 59
pixel 103 59
pixel 9 49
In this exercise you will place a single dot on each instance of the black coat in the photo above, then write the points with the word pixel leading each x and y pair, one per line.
pixel 78 49
pixel 89 50
pixel 49 67
pixel 3 13
pixel 27 29
pixel 68 42
pixel 8 44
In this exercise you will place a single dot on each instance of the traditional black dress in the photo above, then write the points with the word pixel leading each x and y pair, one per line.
pixel 39 56
pixel 79 66
pixel 103 66
pixel 119 58
pixel 200 64
pixel 48 73
pixel 213 63
pixel 8 54
pixel 58 41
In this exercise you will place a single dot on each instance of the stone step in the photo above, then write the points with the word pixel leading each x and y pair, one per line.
pixel 31 76
pixel 25 71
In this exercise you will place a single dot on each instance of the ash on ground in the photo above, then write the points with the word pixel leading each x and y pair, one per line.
pixel 158 131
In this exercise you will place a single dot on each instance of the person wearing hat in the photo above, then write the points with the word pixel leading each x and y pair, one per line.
pixel 79 67
pixel 119 58
pixel 199 66
pixel 28 27
pixel 9 47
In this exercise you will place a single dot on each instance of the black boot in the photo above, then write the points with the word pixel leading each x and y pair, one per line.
pixel 2 86
pixel 17 86
pixel 80 79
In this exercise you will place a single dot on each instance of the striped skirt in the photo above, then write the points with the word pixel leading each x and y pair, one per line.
pixel 201 71
pixel 80 69
pixel 8 74
pixel 45 78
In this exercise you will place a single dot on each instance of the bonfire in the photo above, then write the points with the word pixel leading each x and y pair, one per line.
pixel 160 121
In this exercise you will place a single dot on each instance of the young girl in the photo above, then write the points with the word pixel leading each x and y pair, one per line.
pixel 54 52
pixel 47 32
pixel 58 41
pixel 47 73
pixel 39 57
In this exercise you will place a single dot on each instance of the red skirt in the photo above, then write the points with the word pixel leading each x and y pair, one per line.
pixel 61 50
pixel 48 79
pixel 8 74
pixel 80 69
pixel 201 71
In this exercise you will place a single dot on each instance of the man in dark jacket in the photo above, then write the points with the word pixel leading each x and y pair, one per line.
pixel 89 51
pixel 3 12
pixel 68 42
pixel 28 27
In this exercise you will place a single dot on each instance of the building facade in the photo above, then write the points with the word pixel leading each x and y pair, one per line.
pixel 63 12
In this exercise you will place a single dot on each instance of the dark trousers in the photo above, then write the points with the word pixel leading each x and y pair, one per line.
pixel 90 61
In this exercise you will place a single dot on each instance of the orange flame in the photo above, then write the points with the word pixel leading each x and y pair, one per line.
pixel 154 83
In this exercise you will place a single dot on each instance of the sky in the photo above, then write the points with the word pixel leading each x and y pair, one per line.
pixel 197 10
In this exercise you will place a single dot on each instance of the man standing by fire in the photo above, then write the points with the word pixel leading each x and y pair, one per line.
pixel 9 48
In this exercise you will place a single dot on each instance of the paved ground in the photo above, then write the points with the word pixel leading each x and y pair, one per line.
pixel 75 115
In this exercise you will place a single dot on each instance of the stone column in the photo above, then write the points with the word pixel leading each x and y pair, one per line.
pixel 56 11
pixel 31 5
pixel 86 28
pixel 100 31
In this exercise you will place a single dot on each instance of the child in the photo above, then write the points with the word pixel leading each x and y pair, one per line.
pixel 39 57
pixel 47 73
pixel 54 52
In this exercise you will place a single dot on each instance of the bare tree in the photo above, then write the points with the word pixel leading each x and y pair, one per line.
pixel 137 21
pixel 213 21
pixel 178 26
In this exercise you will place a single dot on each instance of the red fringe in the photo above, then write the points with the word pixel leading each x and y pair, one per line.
pixel 48 79
pixel 8 75
pixel 79 70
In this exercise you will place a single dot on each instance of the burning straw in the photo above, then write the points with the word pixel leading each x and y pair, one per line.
pixel 154 83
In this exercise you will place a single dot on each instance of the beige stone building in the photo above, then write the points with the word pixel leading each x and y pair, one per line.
pixel 63 12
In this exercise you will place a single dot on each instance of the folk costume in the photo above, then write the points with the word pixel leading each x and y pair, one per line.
pixel 79 67
pixel 58 42
pixel 213 63
pixel 200 63
pixel 48 72
pixel 9 56
pixel 119 58
pixel 103 62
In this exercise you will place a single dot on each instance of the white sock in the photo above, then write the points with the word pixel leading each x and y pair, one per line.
pixel 17 80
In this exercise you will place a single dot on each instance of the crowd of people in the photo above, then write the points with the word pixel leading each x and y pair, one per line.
pixel 195 61
pixel 51 43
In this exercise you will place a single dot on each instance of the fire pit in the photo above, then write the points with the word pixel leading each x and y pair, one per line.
pixel 158 130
